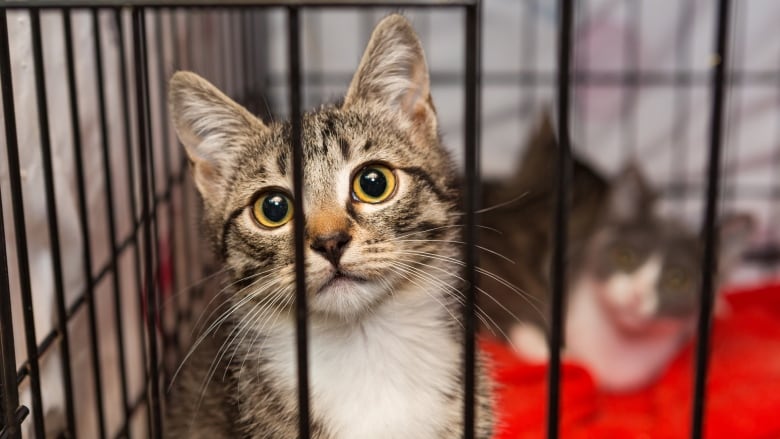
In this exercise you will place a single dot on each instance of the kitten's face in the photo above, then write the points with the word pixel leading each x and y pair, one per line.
pixel 378 187
pixel 647 272
pixel 647 268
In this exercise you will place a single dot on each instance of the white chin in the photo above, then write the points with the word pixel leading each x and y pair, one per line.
pixel 346 298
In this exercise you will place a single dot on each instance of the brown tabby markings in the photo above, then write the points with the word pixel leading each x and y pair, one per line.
pixel 385 347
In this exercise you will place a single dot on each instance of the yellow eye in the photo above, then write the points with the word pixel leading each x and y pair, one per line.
pixel 676 278
pixel 273 209
pixel 624 257
pixel 373 184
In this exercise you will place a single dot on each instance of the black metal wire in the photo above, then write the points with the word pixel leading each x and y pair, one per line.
pixel 84 229
pixel 51 211
pixel 38 4
pixel 560 224
pixel 294 54
pixel 605 78
pixel 145 151
pixel 130 159
pixel 12 394
pixel 471 205
pixel 110 220
pixel 709 260
pixel 154 204
pixel 162 81
pixel 9 394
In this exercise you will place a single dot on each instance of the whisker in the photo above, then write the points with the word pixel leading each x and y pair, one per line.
pixel 485 249
pixel 457 296
pixel 223 290
pixel 447 227
pixel 500 205
pixel 403 274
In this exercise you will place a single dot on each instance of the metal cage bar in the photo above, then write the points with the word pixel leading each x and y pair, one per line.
pixel 131 185
pixel 9 397
pixel 84 228
pixel 471 205
pixel 301 333
pixel 20 228
pixel 709 260
pixel 560 220
pixel 147 215
pixel 110 212
pixel 248 81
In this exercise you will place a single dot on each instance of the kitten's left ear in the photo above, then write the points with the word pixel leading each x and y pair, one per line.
pixel 393 74
pixel 211 126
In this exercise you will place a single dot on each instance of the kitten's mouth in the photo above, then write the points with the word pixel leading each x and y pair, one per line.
pixel 341 279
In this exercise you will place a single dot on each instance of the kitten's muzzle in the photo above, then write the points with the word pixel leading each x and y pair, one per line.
pixel 331 246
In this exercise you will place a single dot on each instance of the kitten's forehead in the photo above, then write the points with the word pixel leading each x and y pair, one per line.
pixel 335 143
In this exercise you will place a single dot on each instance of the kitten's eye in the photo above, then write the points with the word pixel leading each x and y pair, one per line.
pixel 624 257
pixel 676 279
pixel 373 184
pixel 273 209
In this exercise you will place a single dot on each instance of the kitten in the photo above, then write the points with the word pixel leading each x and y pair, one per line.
pixel 633 275
pixel 382 262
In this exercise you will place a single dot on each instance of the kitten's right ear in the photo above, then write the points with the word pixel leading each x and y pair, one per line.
pixel 630 196
pixel 393 74
pixel 211 126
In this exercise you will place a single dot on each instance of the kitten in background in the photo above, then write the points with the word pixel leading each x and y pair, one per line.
pixel 382 261
pixel 633 275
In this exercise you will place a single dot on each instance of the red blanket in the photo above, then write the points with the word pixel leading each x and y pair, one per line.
pixel 743 391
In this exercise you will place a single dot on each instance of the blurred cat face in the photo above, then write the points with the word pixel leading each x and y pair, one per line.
pixel 647 272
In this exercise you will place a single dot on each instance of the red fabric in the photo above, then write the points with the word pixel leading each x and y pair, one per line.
pixel 743 396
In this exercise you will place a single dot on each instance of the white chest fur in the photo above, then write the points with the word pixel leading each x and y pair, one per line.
pixel 618 362
pixel 383 378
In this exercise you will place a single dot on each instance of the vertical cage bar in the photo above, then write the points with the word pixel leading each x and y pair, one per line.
pixel 125 97
pixel 710 215
pixel 149 165
pixel 20 228
pixel 9 396
pixel 147 214
pixel 110 211
pixel 169 177
pixel 301 335
pixel 471 160
pixel 560 224
pixel 40 92
pixel 83 212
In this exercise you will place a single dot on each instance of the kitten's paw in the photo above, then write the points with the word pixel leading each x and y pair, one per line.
pixel 529 342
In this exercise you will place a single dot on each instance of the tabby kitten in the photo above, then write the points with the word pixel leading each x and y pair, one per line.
pixel 634 282
pixel 382 262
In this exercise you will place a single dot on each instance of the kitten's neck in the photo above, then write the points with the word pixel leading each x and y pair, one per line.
pixel 362 372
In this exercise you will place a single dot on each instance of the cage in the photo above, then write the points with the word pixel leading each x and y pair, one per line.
pixel 104 275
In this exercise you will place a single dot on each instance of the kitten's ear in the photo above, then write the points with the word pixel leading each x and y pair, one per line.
pixel 630 196
pixel 211 126
pixel 393 73
pixel 734 233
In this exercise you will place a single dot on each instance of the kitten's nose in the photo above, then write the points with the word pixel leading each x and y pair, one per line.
pixel 331 246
